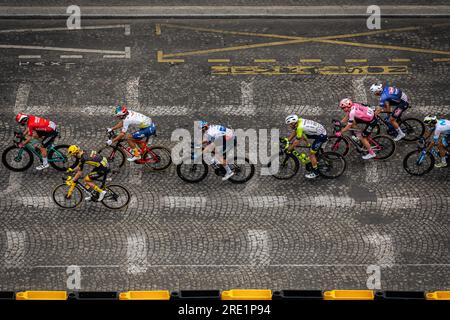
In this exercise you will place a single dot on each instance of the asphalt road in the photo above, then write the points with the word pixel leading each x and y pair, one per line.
pixel 294 234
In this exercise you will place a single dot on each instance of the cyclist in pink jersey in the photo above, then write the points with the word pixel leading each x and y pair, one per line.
pixel 358 113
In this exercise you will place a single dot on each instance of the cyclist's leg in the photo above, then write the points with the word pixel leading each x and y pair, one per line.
pixel 395 115
pixel 365 133
pixel 95 174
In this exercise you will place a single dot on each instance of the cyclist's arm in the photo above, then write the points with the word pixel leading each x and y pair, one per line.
pixel 292 135
pixel 77 175
pixel 387 106
pixel 118 126
pixel 28 136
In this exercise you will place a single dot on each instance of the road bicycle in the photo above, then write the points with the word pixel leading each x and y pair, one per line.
pixel 156 158
pixel 330 165
pixel 412 127
pixel 383 146
pixel 18 159
pixel 70 194
pixel 420 161
pixel 190 171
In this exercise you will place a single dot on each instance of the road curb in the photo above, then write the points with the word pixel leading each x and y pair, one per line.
pixel 225 12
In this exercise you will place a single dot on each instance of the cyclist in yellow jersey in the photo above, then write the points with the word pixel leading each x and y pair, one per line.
pixel 302 130
pixel 100 170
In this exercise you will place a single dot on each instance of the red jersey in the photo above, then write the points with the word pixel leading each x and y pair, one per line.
pixel 39 124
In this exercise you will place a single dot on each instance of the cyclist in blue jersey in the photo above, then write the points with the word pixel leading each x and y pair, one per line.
pixel 392 100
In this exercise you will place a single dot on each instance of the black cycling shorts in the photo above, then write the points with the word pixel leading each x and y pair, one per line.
pixel 97 173
pixel 48 137
pixel 369 127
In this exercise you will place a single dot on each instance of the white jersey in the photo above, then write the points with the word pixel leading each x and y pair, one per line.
pixel 136 119
pixel 442 127
pixel 217 131
pixel 310 128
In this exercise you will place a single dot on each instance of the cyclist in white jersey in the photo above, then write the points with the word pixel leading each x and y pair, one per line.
pixel 302 130
pixel 220 139
pixel 145 128
pixel 440 128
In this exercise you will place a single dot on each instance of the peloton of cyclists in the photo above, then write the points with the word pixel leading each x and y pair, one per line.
pixel 358 113
pixel 144 124
pixel 391 97
pixel 440 129
pixel 302 130
pixel 40 129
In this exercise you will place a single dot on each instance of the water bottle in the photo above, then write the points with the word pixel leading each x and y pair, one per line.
pixel 303 158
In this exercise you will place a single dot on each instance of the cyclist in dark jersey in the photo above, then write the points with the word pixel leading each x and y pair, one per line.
pixel 100 170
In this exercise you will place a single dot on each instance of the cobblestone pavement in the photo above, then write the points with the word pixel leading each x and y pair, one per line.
pixel 217 2
pixel 294 234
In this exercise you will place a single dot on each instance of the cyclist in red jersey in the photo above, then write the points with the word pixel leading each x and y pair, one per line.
pixel 40 129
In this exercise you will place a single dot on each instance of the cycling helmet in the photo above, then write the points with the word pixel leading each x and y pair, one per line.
pixel 430 120
pixel 121 111
pixel 293 118
pixel 345 103
pixel 202 124
pixel 376 88
pixel 73 150
pixel 21 118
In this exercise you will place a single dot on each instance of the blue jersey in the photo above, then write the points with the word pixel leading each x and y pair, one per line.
pixel 394 96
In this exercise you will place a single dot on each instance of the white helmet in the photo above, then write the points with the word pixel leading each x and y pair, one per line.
pixel 293 118
pixel 376 88
pixel 345 103
pixel 430 120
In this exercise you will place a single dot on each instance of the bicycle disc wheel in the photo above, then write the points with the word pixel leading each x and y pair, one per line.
pixel 417 164
pixel 288 166
pixel 58 157
pixel 115 156
pixel 413 128
pixel 16 159
pixel 243 170
pixel 192 173
pixel 384 148
pixel 338 145
pixel 331 165
pixel 116 197
pixel 163 161
pixel 59 196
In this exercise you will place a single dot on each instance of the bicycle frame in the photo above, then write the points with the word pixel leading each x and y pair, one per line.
pixel 144 150
pixel 30 146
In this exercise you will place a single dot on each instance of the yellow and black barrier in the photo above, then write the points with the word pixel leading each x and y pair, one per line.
pixel 234 294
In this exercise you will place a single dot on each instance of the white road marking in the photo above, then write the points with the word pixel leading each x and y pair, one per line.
pixel 330 201
pixel 36 201
pixel 372 175
pixel 359 90
pixel 258 247
pixel 399 202
pixel 73 56
pixel 14 182
pixel 132 95
pixel 307 110
pixel 15 249
pixel 22 97
pixel 29 56
pixel 438 110
pixel 126 26
pixel 11 46
pixel 385 253
pixel 127 30
pixel 184 202
pixel 136 254
pixel 266 201
pixel 420 265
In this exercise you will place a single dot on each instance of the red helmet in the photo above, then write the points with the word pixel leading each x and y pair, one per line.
pixel 21 118
pixel 345 103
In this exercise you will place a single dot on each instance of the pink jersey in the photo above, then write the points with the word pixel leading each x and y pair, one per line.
pixel 360 113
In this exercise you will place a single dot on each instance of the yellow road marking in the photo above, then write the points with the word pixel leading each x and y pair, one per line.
pixel 265 60
pixel 386 46
pixel 310 60
pixel 158 29
pixel 441 59
pixel 218 60
pixel 325 39
pixel 308 70
pixel 355 60
pixel 399 60
pixel 160 57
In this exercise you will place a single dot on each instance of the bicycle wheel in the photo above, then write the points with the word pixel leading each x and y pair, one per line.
pixel 60 197
pixel 115 156
pixel 331 164
pixel 163 158
pixel 288 166
pixel 338 144
pixel 116 197
pixel 58 157
pixel 418 164
pixel 413 128
pixel 192 173
pixel 243 170
pixel 17 159
pixel 384 147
